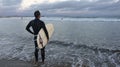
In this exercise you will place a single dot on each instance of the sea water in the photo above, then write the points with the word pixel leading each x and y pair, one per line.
pixel 78 42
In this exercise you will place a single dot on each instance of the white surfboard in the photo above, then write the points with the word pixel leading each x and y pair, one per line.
pixel 42 35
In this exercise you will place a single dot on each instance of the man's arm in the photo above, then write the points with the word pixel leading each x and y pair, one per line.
pixel 46 32
pixel 28 28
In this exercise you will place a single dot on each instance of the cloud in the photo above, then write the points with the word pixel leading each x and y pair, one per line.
pixel 27 3
pixel 71 8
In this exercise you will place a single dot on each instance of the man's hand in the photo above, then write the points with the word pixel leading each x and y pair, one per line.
pixel 41 42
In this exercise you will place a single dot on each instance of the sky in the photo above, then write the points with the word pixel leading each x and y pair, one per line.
pixel 67 8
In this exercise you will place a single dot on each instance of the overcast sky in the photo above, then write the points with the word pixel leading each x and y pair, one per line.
pixel 72 8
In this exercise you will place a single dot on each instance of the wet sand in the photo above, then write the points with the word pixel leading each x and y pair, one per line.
pixel 14 63
pixel 17 63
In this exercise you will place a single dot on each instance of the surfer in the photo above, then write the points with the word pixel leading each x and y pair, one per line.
pixel 36 25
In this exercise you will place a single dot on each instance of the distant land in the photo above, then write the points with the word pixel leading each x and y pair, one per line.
pixel 67 16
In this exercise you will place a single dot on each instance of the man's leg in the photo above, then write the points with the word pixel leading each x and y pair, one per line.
pixel 36 52
pixel 43 54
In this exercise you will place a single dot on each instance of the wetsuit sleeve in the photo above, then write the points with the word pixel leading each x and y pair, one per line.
pixel 28 28
pixel 46 32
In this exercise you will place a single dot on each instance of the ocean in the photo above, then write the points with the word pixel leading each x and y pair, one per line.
pixel 76 42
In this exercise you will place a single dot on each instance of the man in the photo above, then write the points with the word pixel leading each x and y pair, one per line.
pixel 36 25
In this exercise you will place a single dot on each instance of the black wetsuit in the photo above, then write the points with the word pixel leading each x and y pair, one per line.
pixel 36 25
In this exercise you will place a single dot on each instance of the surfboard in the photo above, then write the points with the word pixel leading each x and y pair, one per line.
pixel 42 36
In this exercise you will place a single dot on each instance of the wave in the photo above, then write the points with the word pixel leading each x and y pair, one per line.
pixel 78 46
pixel 98 56
pixel 70 55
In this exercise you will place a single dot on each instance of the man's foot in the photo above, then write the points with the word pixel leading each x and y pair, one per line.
pixel 36 64
pixel 42 62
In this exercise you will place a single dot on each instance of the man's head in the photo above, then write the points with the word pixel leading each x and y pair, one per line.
pixel 37 14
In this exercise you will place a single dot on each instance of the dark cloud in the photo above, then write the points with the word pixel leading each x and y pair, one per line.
pixel 11 2
pixel 98 8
